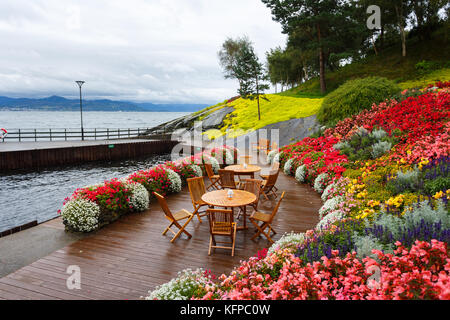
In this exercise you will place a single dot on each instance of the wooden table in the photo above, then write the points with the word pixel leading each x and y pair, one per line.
pixel 241 198
pixel 240 170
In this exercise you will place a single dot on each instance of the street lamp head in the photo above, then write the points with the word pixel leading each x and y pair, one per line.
pixel 80 83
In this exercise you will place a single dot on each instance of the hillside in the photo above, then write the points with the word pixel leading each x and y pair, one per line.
pixel 390 64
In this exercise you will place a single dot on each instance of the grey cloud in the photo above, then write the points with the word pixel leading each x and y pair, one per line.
pixel 143 50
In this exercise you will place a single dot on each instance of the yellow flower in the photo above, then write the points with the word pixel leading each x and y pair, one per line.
pixel 439 195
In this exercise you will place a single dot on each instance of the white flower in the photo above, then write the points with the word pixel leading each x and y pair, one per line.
pixel 288 166
pixel 288 240
pixel 181 287
pixel 140 197
pixel 214 163
pixel 175 181
pixel 300 174
pixel 330 205
pixel 319 183
pixel 80 215
pixel 276 158
pixel 331 217
pixel 197 170
pixel 271 156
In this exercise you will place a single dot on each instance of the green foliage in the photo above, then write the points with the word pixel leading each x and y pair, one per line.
pixel 436 185
pixel 364 145
pixel 355 96
pixel 424 67
pixel 408 181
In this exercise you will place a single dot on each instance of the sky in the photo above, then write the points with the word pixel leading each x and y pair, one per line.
pixel 159 51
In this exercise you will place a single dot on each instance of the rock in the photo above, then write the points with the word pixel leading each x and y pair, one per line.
pixel 295 129
pixel 215 119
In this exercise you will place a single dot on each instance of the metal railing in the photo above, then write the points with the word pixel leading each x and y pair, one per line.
pixel 76 134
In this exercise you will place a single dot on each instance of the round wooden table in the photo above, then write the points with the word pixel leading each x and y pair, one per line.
pixel 241 198
pixel 240 170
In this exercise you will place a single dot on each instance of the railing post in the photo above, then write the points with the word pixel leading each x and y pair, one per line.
pixel 20 138
pixel 129 132
pixel 65 134
pixel 118 133
pixel 95 134
pixel 50 131
pixel 138 133
pixel 107 133
pixel 35 136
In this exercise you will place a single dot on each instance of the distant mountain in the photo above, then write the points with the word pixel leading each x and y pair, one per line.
pixel 57 103
pixel 180 107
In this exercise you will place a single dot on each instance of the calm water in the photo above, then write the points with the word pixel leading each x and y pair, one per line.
pixel 91 119
pixel 29 196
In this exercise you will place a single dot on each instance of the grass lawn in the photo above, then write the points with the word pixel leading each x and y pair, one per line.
pixel 275 109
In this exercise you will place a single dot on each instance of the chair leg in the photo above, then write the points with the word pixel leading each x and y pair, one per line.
pixel 234 240
pixel 182 229
pixel 167 229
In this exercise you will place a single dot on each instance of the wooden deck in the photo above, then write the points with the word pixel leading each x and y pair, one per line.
pixel 129 257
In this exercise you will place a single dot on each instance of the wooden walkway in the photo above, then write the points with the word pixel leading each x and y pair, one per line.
pixel 129 257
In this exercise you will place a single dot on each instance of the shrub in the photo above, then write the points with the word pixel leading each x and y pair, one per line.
pixel 288 241
pixel 355 96
pixel 300 174
pixel 321 182
pixel 288 166
pixel 404 182
pixel 175 181
pixel 271 155
pixel 80 215
pixel 139 199
pixel 187 284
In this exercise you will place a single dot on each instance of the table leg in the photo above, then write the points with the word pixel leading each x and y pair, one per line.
pixel 244 213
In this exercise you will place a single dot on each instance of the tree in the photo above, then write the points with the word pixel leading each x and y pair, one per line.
pixel 228 54
pixel 250 74
pixel 326 26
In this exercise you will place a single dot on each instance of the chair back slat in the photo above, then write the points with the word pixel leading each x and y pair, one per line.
pixel 253 186
pixel 275 210
pixel 209 170
pixel 196 189
pixel 163 203
pixel 272 179
pixel 220 221
pixel 275 166
pixel 227 179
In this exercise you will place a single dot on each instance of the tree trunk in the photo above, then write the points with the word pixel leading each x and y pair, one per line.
pixel 257 97
pixel 323 85
pixel 399 12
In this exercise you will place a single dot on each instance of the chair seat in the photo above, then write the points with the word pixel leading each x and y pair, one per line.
pixel 182 214
pixel 264 176
pixel 264 217
pixel 216 176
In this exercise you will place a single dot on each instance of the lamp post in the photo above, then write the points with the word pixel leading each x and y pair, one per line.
pixel 80 83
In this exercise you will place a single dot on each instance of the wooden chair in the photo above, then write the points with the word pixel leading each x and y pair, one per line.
pixel 275 167
pixel 268 186
pixel 174 218
pixel 197 190
pixel 214 178
pixel 266 221
pixel 261 145
pixel 221 224
pixel 252 186
pixel 227 179
pixel 245 159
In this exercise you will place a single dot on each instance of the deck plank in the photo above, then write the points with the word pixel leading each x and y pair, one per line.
pixel 129 257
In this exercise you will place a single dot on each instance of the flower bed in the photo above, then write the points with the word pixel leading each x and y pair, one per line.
pixel 383 175
pixel 93 207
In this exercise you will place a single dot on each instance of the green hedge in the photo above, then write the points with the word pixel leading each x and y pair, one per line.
pixel 354 96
